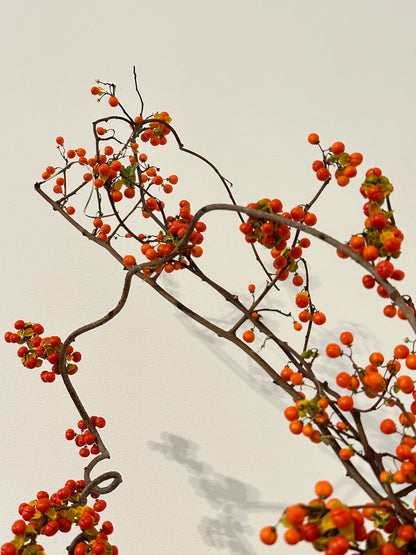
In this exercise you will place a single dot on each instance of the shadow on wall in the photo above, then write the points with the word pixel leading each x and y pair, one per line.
pixel 231 499
pixel 249 372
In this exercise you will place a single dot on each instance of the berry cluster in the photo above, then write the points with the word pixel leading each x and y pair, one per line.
pixel 85 439
pixel 122 173
pixel 111 171
pixel 377 379
pixel 275 236
pixel 35 349
pixel 346 164
pixel 163 244
pixel 381 239
pixel 49 514
pixel 333 527
pixel 156 134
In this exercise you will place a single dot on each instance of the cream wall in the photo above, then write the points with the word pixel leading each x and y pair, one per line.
pixel 195 428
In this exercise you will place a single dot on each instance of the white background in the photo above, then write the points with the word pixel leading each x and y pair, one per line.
pixel 196 430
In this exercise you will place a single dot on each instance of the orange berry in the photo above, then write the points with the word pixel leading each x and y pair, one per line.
pixel 323 174
pixel 333 350
pixel 346 338
pixel 105 228
pixel 345 453
pixel 345 402
pixel 129 192
pixel 317 165
pixel 319 318
pixel 357 242
pixel 401 351
pixel 286 373
pixel 295 514
pixel 116 195
pixel 296 427
pixel 356 158
pixel 292 536
pixel 350 171
pixel 296 378
pixel 370 252
pixel 343 180
pixel 304 316
pixel 310 219
pixel 376 359
pixel 113 101
pixel 388 426
pixel 268 535
pixel 291 413
pixel 129 260
pixel 338 147
pixel 323 489
pixel 313 139
pixel 249 336
pixel 297 280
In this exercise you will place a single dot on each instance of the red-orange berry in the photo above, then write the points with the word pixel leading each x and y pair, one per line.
pixel 129 260
pixel 313 139
pixel 333 350
pixel 338 147
pixel 249 336
pixel 268 535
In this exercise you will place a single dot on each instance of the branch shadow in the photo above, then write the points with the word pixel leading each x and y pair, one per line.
pixel 230 499
pixel 255 378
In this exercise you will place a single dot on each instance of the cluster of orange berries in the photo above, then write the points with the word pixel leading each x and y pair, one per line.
pixel 376 379
pixel 303 414
pixel 334 528
pixel 157 131
pixel 49 514
pixel 345 163
pixel 302 300
pixel 107 170
pixel 381 379
pixel 35 349
pixel 86 440
pixel 165 243
pixel 381 240
pixel 99 91
pixel 308 313
pixel 275 235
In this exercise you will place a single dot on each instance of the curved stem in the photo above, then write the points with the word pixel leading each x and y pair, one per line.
pixel 104 453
